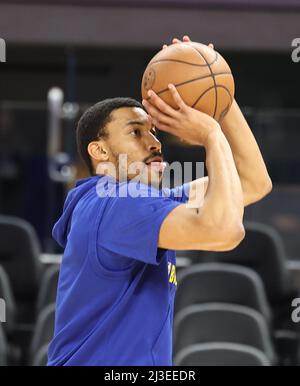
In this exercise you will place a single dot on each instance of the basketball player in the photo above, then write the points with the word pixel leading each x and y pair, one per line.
pixel 118 277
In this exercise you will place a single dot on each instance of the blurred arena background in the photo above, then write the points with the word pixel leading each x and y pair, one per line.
pixel 232 308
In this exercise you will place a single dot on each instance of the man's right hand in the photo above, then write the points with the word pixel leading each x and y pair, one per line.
pixel 187 123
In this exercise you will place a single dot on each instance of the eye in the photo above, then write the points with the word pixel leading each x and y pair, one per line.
pixel 135 132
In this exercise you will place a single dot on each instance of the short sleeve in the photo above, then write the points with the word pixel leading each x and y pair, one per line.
pixel 130 226
pixel 179 193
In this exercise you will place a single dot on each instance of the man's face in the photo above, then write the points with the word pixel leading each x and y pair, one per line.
pixel 132 145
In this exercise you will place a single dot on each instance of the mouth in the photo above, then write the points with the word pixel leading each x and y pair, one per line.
pixel 157 164
pixel 155 159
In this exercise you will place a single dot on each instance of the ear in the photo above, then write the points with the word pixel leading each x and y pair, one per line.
pixel 98 151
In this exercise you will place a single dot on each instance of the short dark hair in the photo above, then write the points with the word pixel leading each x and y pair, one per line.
pixel 91 125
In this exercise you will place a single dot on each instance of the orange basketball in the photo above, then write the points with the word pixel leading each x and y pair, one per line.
pixel 200 74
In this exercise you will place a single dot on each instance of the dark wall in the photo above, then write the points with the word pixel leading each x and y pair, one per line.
pixel 89 74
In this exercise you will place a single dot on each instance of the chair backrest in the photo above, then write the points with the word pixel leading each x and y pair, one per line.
pixel 41 357
pixel 220 322
pixel 43 331
pixel 262 250
pixel 221 354
pixel 3 347
pixel 48 288
pixel 221 283
pixel 19 256
pixel 10 307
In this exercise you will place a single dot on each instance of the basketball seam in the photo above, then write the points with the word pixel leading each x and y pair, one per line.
pixel 184 62
pixel 192 80
pixel 210 88
pixel 225 88
pixel 224 112
pixel 213 78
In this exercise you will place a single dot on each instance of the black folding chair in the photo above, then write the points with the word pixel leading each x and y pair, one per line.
pixel 220 354
pixel 221 283
pixel 220 322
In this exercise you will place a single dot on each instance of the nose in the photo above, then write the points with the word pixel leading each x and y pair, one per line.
pixel 154 145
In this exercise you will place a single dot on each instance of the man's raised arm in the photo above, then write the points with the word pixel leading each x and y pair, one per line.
pixel 216 223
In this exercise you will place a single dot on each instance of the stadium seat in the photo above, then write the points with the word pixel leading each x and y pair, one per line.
pixel 41 357
pixel 43 332
pixel 221 283
pixel 10 307
pixel 48 289
pixel 19 256
pixel 220 322
pixel 262 250
pixel 220 354
pixel 3 347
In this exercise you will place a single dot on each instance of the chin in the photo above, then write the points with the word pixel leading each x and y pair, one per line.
pixel 148 177
pixel 156 180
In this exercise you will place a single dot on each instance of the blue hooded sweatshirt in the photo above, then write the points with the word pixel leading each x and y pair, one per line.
pixel 116 287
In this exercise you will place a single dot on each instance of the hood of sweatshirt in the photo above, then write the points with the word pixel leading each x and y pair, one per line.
pixel 61 228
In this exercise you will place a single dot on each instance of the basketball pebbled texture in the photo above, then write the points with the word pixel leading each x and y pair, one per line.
pixel 200 74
